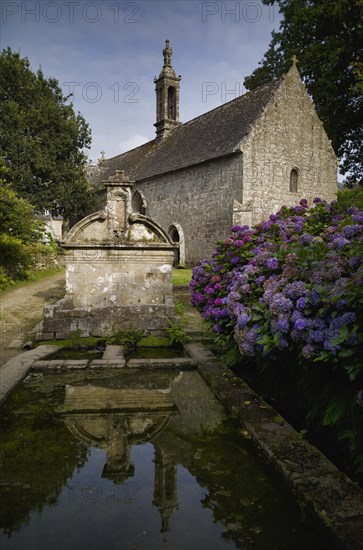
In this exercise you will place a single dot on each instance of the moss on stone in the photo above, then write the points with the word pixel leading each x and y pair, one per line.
pixel 153 342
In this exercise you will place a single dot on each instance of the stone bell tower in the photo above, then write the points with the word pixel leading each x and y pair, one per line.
pixel 167 96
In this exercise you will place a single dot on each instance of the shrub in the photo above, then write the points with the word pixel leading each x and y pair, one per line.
pixel 20 233
pixel 292 286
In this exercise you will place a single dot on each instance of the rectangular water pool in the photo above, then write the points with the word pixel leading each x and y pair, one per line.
pixel 136 459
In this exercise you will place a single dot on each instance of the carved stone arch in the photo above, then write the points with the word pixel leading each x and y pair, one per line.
pixel 176 235
pixel 152 225
pixel 75 231
pixel 76 428
pixel 138 202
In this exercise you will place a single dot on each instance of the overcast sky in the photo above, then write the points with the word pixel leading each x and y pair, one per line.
pixel 108 53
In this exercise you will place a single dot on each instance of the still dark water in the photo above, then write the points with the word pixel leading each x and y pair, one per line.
pixel 136 460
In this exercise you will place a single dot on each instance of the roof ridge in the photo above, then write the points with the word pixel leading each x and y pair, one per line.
pixel 213 134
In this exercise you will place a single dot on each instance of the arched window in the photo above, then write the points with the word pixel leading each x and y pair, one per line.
pixel 171 103
pixel 294 176
pixel 176 235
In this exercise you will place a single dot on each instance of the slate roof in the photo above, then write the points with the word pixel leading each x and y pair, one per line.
pixel 214 134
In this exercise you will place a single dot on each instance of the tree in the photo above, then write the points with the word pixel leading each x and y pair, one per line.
pixel 20 233
pixel 327 37
pixel 42 139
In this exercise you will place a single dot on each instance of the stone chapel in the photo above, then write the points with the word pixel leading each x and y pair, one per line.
pixel 235 164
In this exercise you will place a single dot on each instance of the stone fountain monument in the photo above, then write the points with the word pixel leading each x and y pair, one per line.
pixel 118 272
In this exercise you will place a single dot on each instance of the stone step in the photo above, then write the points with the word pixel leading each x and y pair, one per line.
pixel 113 352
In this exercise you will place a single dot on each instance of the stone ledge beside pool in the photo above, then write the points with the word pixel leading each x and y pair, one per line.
pixel 183 363
pixel 334 499
pixel 18 367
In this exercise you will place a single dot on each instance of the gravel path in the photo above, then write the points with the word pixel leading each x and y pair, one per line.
pixel 22 308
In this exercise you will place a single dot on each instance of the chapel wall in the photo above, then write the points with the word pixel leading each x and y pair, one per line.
pixel 200 199
pixel 288 135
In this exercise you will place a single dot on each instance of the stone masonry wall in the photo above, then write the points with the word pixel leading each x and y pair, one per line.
pixel 288 135
pixel 115 276
pixel 199 199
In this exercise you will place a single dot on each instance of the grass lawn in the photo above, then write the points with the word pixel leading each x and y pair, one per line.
pixel 181 277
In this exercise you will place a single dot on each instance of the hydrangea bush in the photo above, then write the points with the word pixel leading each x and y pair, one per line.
pixel 293 284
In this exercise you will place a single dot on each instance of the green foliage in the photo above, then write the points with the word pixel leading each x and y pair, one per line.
pixel 41 139
pixel 179 307
pixel 349 197
pixel 177 335
pixel 153 342
pixel 326 36
pixel 17 216
pixel 5 280
pixel 127 338
pixel 20 234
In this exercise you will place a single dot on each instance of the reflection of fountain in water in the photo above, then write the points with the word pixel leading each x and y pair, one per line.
pixel 165 488
pixel 115 419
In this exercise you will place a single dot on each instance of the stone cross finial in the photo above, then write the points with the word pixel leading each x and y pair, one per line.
pixel 167 53
pixel 294 60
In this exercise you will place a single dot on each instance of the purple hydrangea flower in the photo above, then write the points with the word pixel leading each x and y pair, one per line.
pixel 358 218
pixel 233 296
pixel 301 324
pixel 315 297
pixel 242 320
pixel 296 290
pixel 350 231
pixel 355 262
pixel 306 239
pixel 272 263
pixel 282 325
pixel 280 304
pixel 316 336
pixel 308 351
pixel 283 343
pixel 339 241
